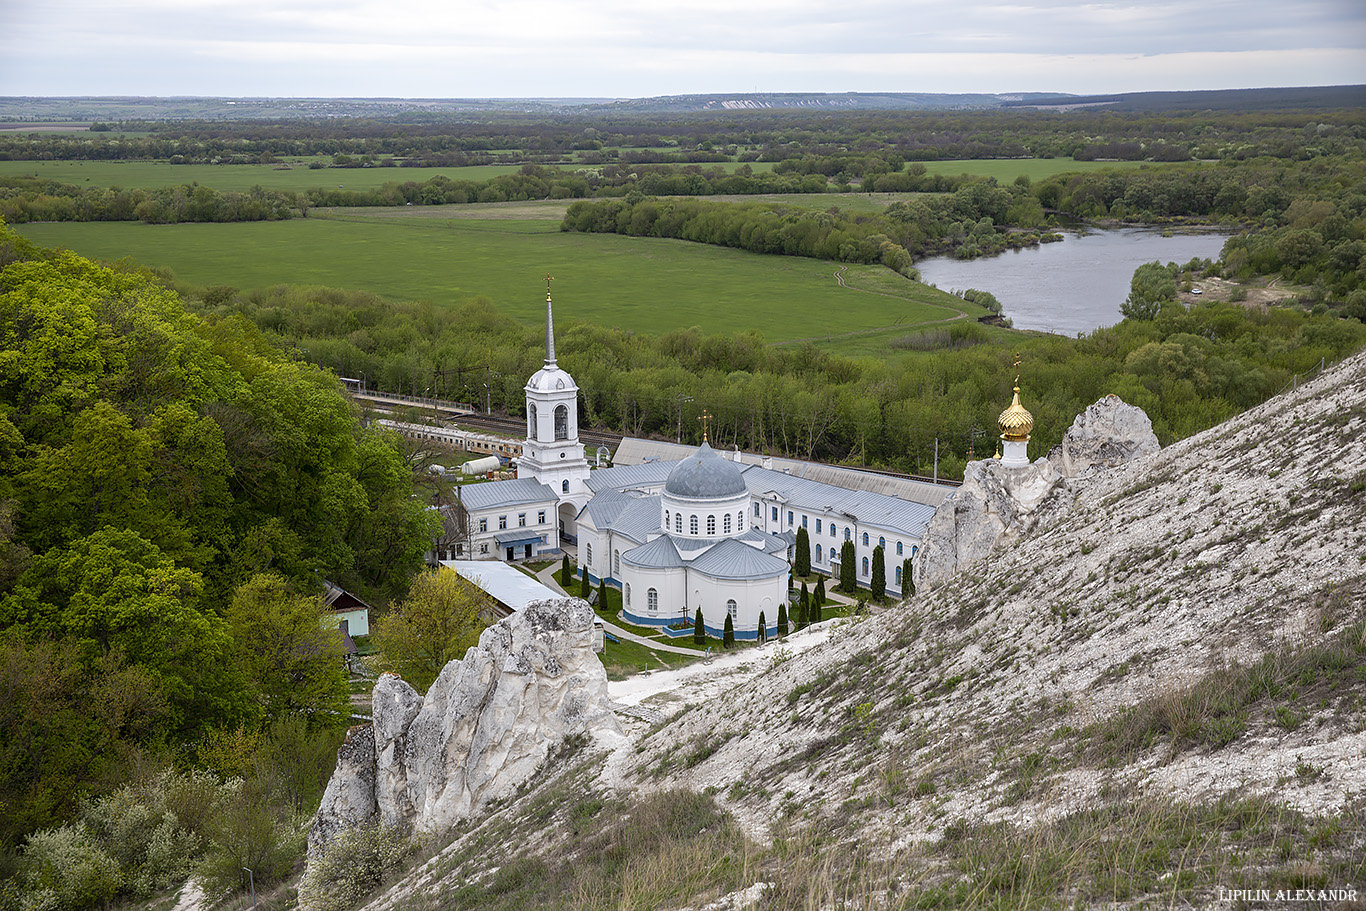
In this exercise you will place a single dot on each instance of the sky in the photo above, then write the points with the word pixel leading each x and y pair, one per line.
pixel 646 48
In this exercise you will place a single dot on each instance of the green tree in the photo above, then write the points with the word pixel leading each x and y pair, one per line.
pixel 802 564
pixel 818 596
pixel 1152 285
pixel 602 593
pixel 907 579
pixel 848 574
pixel 878 584
pixel 782 620
pixel 699 631
pixel 803 607
pixel 585 587
pixel 728 634
pixel 441 618
pixel 290 652
pixel 566 571
pixel 763 628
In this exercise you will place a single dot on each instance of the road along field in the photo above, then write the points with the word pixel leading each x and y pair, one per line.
pixel 640 284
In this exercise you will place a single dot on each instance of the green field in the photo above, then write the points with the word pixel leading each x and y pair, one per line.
pixel 298 177
pixel 640 284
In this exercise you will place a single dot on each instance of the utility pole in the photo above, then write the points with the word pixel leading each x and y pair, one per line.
pixel 936 460
pixel 681 399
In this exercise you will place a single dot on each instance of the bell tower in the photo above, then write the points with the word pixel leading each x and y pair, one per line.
pixel 552 453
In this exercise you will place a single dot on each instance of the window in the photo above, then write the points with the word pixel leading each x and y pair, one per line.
pixel 775 513
pixel 521 520
pixel 898 577
pixel 913 550
pixel 898 548
pixel 616 563
pixel 789 518
pixel 531 419
pixel 711 526
pixel 756 510
pixel 564 485
pixel 727 524
pixel 666 520
pixel 678 522
pixel 818 526
pixel 502 522
pixel 483 524
pixel 588 556
pixel 626 593
pixel 540 517
pixel 882 542
pixel 803 521
pixel 732 609
pixel 483 548
pixel 865 566
pixel 459 549
pixel 652 601
pixel 692 525
pixel 561 422
pixel 847 535
pixel 818 553
pixel 832 529
pixel 865 539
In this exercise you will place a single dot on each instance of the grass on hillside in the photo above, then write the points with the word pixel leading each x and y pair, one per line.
pixel 645 285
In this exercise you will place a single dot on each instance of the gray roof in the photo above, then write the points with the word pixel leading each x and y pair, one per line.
pixel 878 510
pixel 705 475
pixel 620 477
pixel 629 514
pixel 732 559
pixel 634 452
pixel 515 492
pixel 658 554
pixel 771 543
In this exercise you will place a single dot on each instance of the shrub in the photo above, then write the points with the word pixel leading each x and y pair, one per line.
pixel 64 868
pixel 247 831
pixel 699 632
pixel 728 635
pixel 354 864
pixel 782 620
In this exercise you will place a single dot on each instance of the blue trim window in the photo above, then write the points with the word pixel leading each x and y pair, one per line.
pixel 865 539
pixel 803 521
pixel 898 577
pixel 775 513
pixel 882 542
pixel 898 548
pixel 789 517
pixel 848 535
pixel 818 553
pixel 756 510
pixel 865 566
pixel 818 526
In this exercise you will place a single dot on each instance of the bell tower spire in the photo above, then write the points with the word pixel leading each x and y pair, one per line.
pixel 549 326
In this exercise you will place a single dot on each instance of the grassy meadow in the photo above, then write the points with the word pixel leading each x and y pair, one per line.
pixel 640 284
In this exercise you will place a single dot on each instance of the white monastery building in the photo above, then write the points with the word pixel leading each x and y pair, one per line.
pixel 678 529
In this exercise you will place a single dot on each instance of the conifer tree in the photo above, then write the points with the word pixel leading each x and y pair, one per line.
pixel 848 579
pixel 566 571
pixel 602 592
pixel 802 563
pixel 803 605
pixel 907 580
pixel 585 587
pixel 699 632
pixel 817 600
pixel 728 635
pixel 763 628
pixel 878 585
pixel 782 620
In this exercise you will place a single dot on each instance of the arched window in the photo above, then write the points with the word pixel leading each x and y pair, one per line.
pixel 818 553
pixel 692 525
pixel 626 593
pixel 727 524
pixel 913 550
pixel 898 548
pixel 561 422
pixel 865 539
pixel 898 577
pixel 531 419
pixel 652 601
pixel 847 535
pixel 588 555
pixel 616 563
pixel 711 526
pixel 882 542
pixel 865 566
pixel 564 485
pixel 678 522
pixel 732 609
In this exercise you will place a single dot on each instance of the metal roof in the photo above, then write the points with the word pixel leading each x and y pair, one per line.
pixel 705 475
pixel 634 452
pixel 771 543
pixel 732 559
pixel 620 477
pixel 514 492
pixel 658 554
pixel 507 585
pixel 872 509
pixel 627 513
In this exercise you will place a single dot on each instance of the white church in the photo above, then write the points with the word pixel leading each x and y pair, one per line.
pixel 678 528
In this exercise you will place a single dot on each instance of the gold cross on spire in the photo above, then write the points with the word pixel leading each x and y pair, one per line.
pixel 705 420
pixel 548 279
pixel 1017 371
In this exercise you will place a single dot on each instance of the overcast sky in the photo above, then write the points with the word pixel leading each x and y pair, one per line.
pixel 643 48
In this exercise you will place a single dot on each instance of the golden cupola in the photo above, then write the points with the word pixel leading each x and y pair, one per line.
pixel 1015 422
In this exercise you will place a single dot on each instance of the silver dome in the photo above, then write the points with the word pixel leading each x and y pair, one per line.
pixel 705 476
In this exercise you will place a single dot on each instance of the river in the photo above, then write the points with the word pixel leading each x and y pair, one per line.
pixel 1073 286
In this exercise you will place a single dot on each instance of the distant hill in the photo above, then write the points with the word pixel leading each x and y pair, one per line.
pixel 19 110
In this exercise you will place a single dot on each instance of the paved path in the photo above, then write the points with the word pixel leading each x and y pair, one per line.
pixel 547 578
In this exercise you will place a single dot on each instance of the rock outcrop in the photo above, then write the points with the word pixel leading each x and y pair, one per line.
pixel 995 504
pixel 483 729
